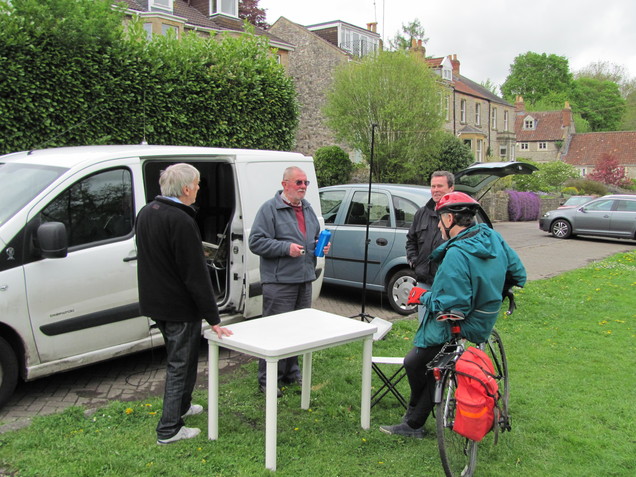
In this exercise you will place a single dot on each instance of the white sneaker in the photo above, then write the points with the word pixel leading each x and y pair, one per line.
pixel 193 411
pixel 184 433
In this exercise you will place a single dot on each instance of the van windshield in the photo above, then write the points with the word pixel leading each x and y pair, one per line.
pixel 20 183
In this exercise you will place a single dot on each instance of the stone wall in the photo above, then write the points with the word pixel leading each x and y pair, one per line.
pixel 496 205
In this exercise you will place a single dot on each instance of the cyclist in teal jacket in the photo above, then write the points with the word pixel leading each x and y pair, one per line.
pixel 476 266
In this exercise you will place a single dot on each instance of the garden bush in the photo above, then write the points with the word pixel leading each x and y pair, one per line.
pixel 523 206
pixel 333 166
pixel 71 75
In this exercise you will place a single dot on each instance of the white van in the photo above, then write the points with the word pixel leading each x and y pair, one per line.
pixel 68 278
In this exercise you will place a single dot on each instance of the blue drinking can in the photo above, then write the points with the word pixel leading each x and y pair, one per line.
pixel 323 240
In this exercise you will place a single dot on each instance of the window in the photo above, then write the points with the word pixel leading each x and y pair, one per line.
pixel 602 205
pixel 148 30
pixel 404 211
pixel 626 205
pixel 462 111
pixel 478 114
pixel 447 106
pixel 226 7
pixel 330 202
pixel 165 29
pixel 543 146
pixel 505 120
pixel 503 150
pixel 493 118
pixel 98 207
pixel 480 150
pixel 528 123
pixel 165 5
pixel 524 146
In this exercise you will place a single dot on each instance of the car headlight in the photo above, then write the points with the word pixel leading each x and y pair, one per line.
pixel 547 214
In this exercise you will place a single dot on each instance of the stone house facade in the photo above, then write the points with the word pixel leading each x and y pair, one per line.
pixel 317 51
pixel 479 118
pixel 542 136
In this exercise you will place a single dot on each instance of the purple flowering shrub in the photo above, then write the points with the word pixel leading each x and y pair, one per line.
pixel 523 206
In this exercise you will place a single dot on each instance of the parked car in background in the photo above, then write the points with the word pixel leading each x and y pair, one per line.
pixel 577 200
pixel 390 213
pixel 607 216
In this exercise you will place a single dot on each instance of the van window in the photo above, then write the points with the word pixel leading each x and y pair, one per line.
pixel 98 207
pixel 20 183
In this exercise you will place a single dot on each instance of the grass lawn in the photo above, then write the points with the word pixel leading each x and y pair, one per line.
pixel 572 358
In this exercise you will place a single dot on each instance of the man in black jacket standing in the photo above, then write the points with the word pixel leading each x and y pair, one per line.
pixel 175 290
pixel 423 237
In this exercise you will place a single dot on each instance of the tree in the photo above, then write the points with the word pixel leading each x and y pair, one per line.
pixel 549 178
pixel 490 86
pixel 404 39
pixel 609 171
pixel 399 94
pixel 606 71
pixel 248 10
pixel 538 76
pixel 333 166
pixel 598 102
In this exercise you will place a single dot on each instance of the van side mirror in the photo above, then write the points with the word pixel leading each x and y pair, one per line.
pixel 52 240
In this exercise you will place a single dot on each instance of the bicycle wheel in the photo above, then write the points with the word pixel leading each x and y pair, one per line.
pixel 458 454
pixel 496 352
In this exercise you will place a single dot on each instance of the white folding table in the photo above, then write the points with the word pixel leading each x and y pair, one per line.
pixel 275 337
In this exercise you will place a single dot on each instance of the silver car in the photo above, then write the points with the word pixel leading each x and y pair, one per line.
pixel 607 216
pixel 391 211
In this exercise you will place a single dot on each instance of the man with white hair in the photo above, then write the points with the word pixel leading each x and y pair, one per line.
pixel 175 290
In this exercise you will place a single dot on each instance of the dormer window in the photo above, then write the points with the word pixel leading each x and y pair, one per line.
pixel 160 5
pixel 529 123
pixel 224 7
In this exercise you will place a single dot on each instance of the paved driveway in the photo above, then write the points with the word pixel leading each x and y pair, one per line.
pixel 140 376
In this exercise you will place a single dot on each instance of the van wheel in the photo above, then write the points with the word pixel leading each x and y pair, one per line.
pixel 8 371
pixel 400 286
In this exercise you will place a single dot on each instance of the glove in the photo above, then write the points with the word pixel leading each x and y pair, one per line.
pixel 414 296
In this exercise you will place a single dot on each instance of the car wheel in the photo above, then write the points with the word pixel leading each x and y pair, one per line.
pixel 398 291
pixel 561 228
pixel 8 371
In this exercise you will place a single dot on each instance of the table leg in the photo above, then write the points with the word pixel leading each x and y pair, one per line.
pixel 271 404
pixel 213 391
pixel 365 405
pixel 306 387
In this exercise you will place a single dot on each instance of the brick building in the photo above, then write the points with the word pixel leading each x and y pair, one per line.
pixel 585 150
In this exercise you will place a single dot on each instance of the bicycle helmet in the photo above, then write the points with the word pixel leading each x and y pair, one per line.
pixel 454 202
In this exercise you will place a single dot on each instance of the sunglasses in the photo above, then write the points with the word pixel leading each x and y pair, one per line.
pixel 299 183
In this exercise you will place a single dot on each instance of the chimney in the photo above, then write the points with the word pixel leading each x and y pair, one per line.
pixel 566 114
pixel 373 26
pixel 455 63
pixel 519 104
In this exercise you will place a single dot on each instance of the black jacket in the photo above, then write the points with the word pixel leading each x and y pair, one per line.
pixel 173 277
pixel 422 238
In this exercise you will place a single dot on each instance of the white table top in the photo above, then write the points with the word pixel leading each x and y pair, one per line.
pixel 293 332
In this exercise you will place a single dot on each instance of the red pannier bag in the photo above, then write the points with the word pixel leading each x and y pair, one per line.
pixel 476 394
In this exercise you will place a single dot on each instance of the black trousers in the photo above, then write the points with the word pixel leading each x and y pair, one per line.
pixel 281 298
pixel 422 384
pixel 183 340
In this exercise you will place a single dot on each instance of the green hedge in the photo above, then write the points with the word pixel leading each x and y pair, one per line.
pixel 70 75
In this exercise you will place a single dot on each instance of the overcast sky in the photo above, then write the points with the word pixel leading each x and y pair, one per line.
pixel 489 34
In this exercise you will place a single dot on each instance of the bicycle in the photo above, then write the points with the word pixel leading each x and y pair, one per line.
pixel 458 453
